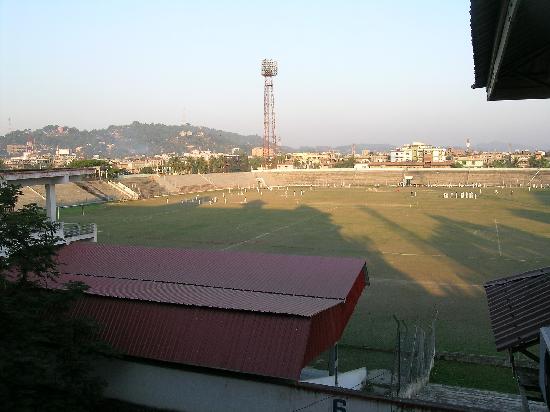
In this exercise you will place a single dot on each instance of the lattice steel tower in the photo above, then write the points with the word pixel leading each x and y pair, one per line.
pixel 269 70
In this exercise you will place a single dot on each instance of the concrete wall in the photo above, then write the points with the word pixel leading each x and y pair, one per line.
pixel 394 176
pixel 153 185
pixel 183 390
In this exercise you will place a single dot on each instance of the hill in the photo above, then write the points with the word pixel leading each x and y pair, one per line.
pixel 132 139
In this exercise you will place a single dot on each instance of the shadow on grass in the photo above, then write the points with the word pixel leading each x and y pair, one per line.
pixel 535 215
pixel 463 324
pixel 475 252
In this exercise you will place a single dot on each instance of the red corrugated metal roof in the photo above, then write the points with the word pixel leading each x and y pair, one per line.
pixel 262 344
pixel 147 305
pixel 316 276
pixel 182 294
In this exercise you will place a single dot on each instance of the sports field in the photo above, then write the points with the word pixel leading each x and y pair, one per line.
pixel 423 252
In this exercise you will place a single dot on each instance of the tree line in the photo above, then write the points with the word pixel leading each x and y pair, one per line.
pixel 46 355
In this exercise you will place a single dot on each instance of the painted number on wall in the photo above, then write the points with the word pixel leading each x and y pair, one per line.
pixel 339 405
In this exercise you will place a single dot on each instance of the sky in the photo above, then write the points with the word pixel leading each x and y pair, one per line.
pixel 349 71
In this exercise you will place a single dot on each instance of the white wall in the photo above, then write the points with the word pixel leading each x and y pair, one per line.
pixel 184 390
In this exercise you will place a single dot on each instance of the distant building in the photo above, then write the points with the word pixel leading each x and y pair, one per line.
pixel 379 157
pixel 16 149
pixel 257 151
pixel 401 155
pixel 285 167
pixel 470 161
pixel 521 158
pixel 418 152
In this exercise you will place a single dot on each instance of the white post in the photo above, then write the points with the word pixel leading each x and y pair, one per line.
pixel 51 202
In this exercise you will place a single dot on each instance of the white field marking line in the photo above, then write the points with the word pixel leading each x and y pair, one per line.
pixel 409 254
pixel 498 239
pixel 426 282
pixel 273 231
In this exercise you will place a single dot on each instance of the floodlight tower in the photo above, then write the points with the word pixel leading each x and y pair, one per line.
pixel 269 70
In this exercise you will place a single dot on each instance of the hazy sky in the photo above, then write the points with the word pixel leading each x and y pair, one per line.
pixel 349 71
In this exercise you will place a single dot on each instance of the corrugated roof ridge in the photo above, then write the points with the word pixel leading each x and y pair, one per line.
pixel 205 286
pixel 299 315
pixel 525 275
pixel 206 251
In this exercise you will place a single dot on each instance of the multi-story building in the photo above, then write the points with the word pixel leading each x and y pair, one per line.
pixel 315 160
pixel 259 151
pixel 490 157
pixel 16 149
pixel 379 157
pixel 401 155
pixel 418 152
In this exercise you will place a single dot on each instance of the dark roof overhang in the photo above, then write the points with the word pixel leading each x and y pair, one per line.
pixel 511 45
pixel 519 306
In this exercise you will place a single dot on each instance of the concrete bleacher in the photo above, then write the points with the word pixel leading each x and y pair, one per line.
pixel 145 187
pixel 195 182
pixel 489 177
pixel 331 178
pixel 233 180
pixel 153 185
pixel 76 193
pixel 396 176
pixel 31 195
pixel 185 183
pixel 109 190
pixel 66 194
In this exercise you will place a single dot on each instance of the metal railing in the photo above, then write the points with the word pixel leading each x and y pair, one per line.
pixel 74 229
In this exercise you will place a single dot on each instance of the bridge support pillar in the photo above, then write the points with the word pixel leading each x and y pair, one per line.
pixel 51 202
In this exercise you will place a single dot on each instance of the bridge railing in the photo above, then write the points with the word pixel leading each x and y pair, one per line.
pixel 74 231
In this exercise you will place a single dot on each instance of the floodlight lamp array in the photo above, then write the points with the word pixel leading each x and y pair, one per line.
pixel 269 67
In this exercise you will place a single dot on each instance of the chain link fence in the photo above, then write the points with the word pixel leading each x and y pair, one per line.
pixel 414 357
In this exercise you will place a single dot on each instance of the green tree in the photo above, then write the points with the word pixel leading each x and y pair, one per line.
pixel 538 163
pixel 507 162
pixel 107 169
pixel 178 165
pixel 255 162
pixel 148 170
pixel 216 164
pixel 45 354
pixel 77 163
pixel 349 162
pixel 457 165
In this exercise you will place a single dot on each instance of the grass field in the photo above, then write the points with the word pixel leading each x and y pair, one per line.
pixel 423 253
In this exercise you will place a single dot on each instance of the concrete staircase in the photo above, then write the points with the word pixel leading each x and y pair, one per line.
pixel 93 190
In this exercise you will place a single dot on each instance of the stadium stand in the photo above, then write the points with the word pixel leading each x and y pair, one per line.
pixel 147 186
pixel 31 195
pixel 332 178
pixel 92 189
pixel 384 177
pixel 67 194
pixel 109 189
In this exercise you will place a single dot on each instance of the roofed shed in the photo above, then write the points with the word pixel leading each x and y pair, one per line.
pixel 519 306
pixel 263 314
pixel 511 45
